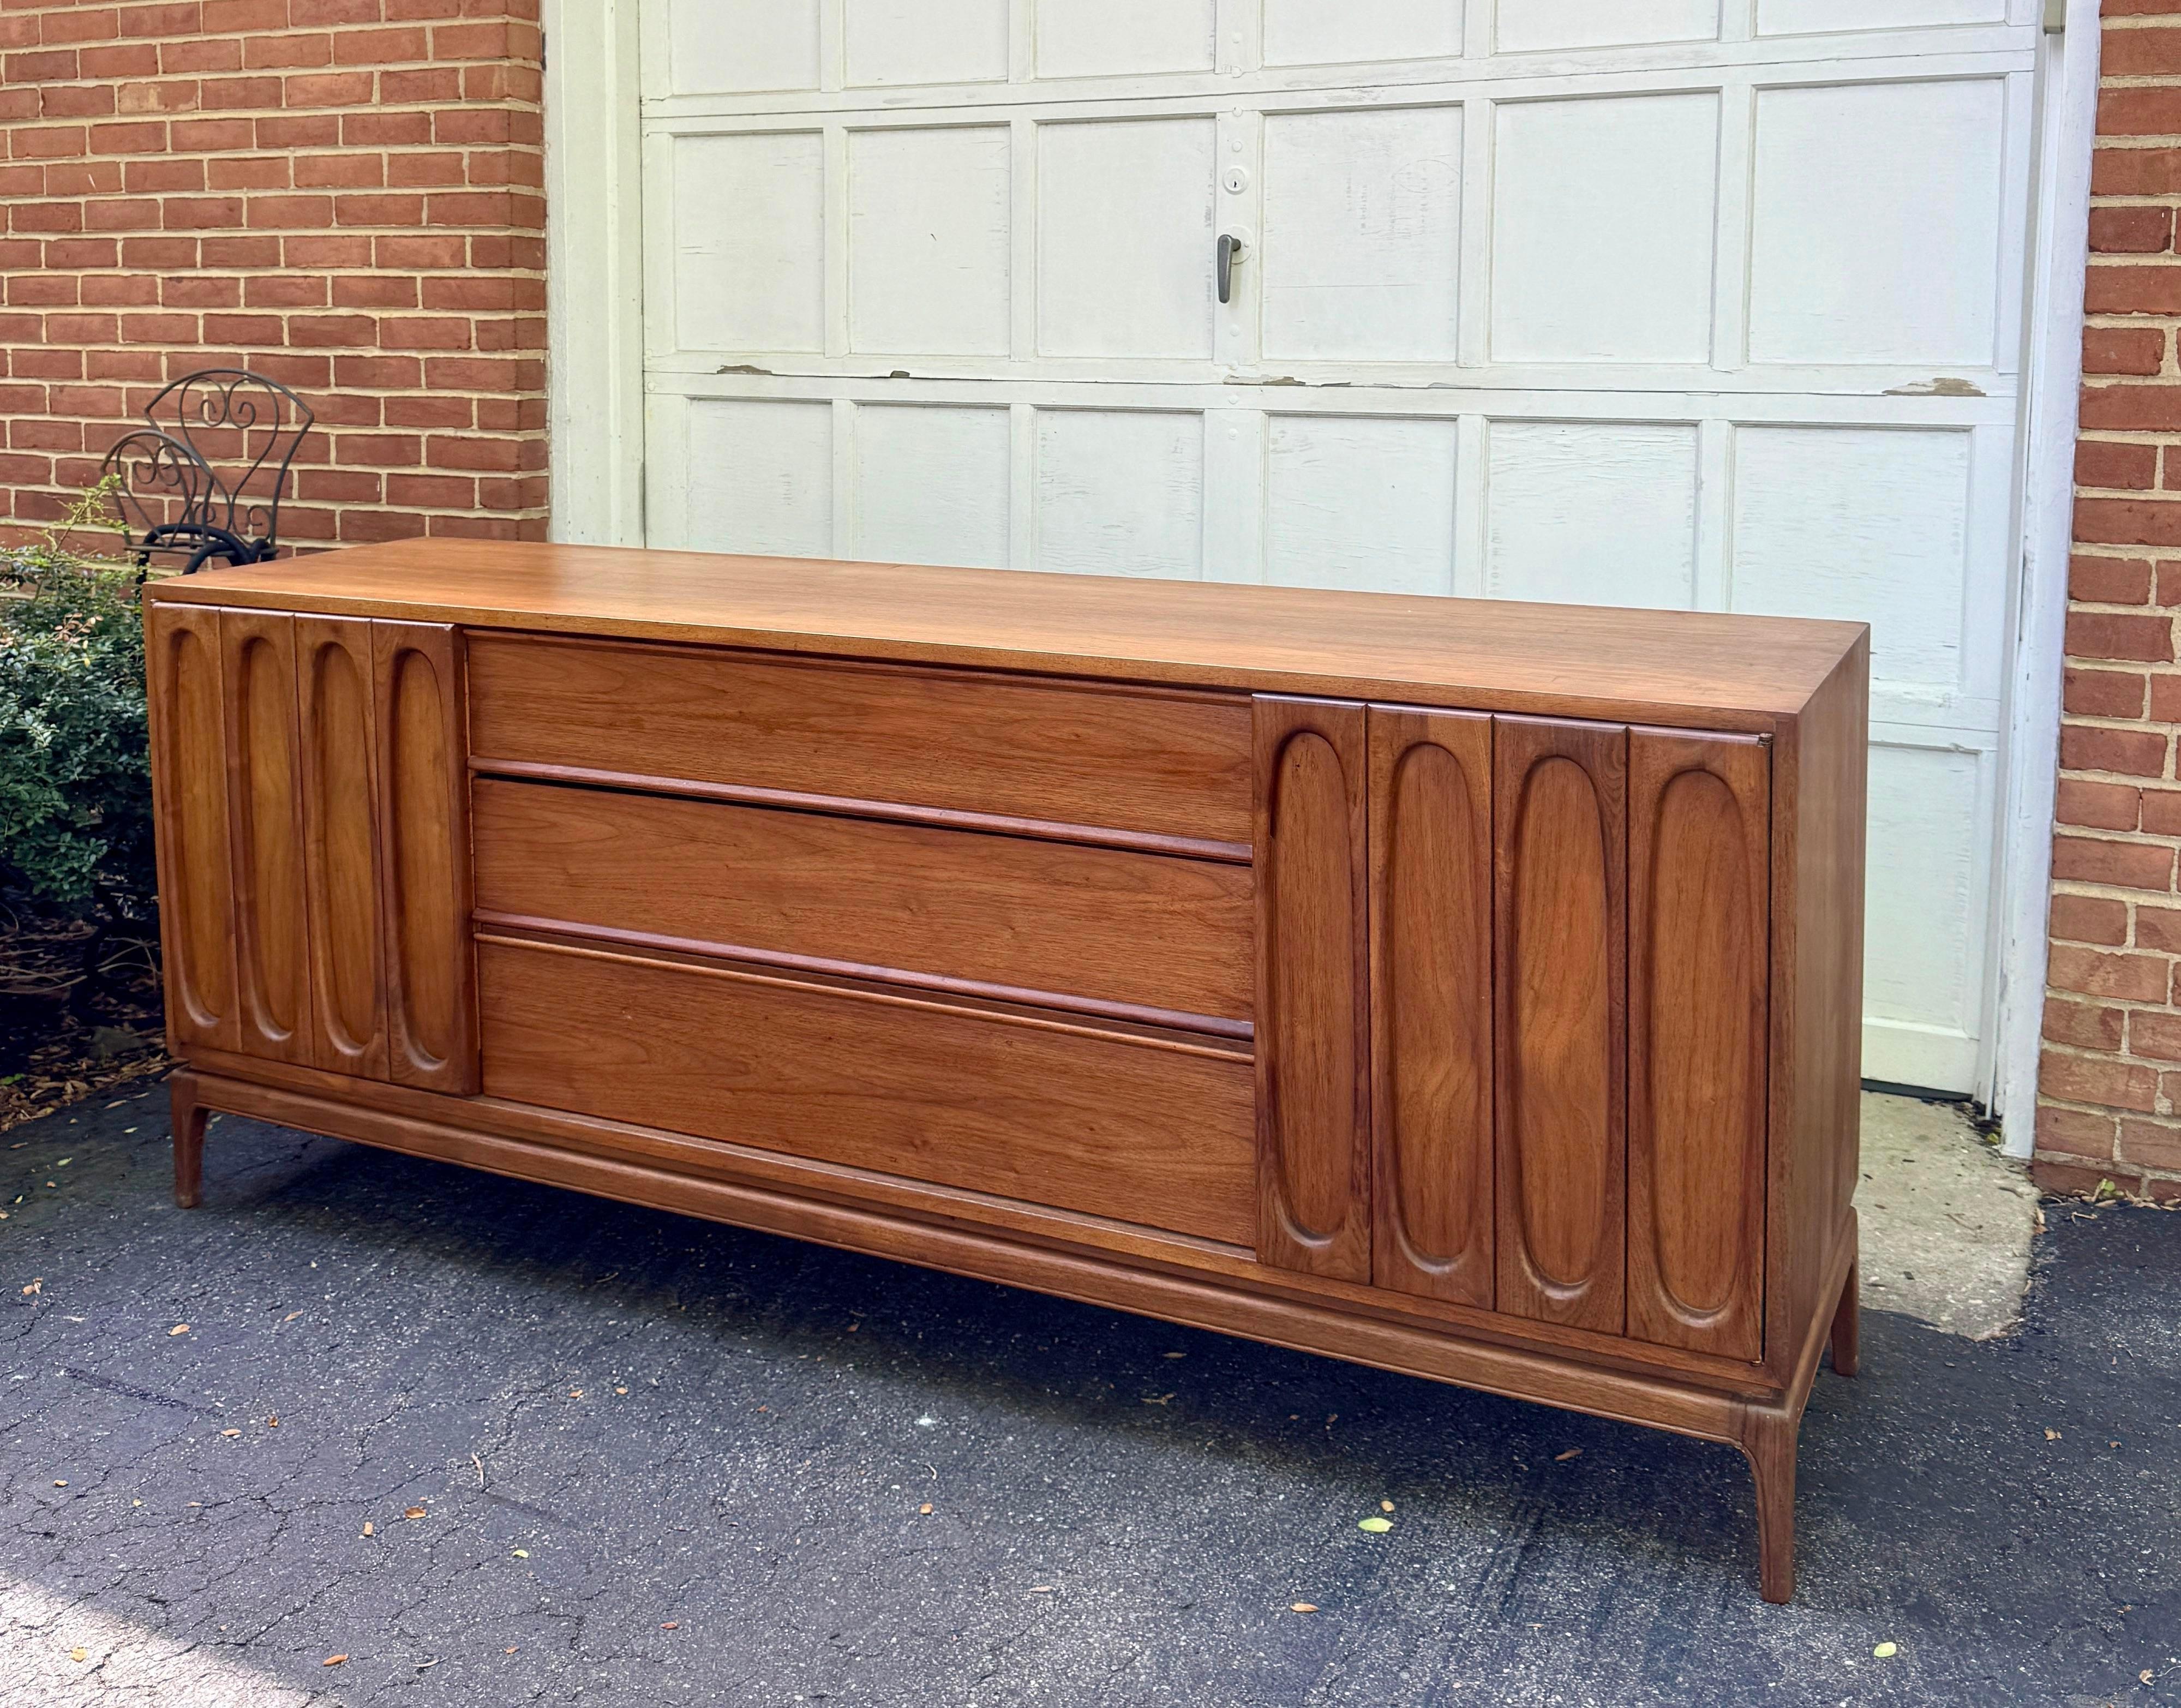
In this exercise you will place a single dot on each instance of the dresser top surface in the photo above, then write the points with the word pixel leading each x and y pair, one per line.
pixel 1734 671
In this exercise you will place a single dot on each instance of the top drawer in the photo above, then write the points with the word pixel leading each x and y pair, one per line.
pixel 1168 764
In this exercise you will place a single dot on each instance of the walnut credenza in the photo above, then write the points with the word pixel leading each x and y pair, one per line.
pixel 1471 990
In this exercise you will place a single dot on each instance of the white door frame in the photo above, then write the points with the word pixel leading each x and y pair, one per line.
pixel 2052 380
pixel 595 400
pixel 593 272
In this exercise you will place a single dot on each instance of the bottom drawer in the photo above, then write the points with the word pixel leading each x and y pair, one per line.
pixel 1141 1131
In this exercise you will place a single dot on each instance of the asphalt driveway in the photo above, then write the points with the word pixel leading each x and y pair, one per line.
pixel 497 1443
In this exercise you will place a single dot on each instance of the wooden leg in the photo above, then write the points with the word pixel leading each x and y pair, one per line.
pixel 1847 1325
pixel 1769 1441
pixel 188 1117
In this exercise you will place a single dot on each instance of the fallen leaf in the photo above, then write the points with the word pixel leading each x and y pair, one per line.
pixel 521 1554
pixel 60 1482
pixel 1157 1399
pixel 2051 1434
pixel 1377 1526
pixel 2146 1677
pixel 272 1423
pixel 1572 1453
pixel 1302 1607
pixel 178 1328
pixel 367 1527
pixel 1885 1651
pixel 510 1649
pixel 230 1432
pixel 1041 1589
pixel 38 1285
pixel 79 1654
pixel 291 1316
pixel 671 1625
pixel 575 1393
pixel 1385 1505
pixel 413 1512
pixel 1173 1355
pixel 621 1391
pixel 332 1660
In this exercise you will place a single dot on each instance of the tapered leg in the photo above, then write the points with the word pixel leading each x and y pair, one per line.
pixel 1769 1442
pixel 1847 1325
pixel 188 1117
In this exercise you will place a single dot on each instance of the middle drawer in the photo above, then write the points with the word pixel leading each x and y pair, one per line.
pixel 1145 936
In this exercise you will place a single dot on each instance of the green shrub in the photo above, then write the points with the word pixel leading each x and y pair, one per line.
pixel 76 776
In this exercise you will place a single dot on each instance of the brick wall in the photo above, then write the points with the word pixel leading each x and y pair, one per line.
pixel 345 195
pixel 2110 1083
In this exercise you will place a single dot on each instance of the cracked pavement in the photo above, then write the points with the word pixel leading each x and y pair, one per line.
pixel 663 1461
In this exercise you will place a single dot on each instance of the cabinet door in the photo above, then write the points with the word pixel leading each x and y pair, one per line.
pixel 1313 1000
pixel 341 845
pixel 420 725
pixel 1699 810
pixel 265 831
pixel 1431 1003
pixel 189 778
pixel 1560 859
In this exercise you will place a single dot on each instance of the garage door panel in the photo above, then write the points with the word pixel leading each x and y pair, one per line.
pixel 1124 238
pixel 760 476
pixel 1309 32
pixel 1870 524
pixel 1591 513
pixel 893 41
pixel 749 242
pixel 1107 38
pixel 1604 221
pixel 929 240
pixel 1529 25
pixel 1120 492
pixel 742 47
pixel 931 485
pixel 1362 216
pixel 1793 17
pixel 1360 501
pixel 1875 225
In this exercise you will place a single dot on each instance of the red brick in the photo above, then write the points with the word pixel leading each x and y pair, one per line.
pixel 177 58
pixel 2061 1180
pixel 2159 929
pixel 2128 752
pixel 2085 1025
pixel 2076 1133
pixel 2091 920
pixel 2150 1144
pixel 2109 580
pixel 2106 693
pixel 2134 978
pixel 2111 1084
pixel 2098 805
pixel 2124 350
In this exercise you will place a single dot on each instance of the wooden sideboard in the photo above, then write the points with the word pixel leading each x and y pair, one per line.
pixel 1466 989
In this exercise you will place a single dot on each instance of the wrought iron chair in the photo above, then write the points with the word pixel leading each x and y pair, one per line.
pixel 168 489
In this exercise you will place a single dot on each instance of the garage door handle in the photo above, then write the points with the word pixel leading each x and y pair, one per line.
pixel 1230 252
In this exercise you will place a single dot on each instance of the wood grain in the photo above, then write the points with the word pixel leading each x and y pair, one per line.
pixel 1313 986
pixel 419 716
pixel 1431 1002
pixel 186 699
pixel 340 844
pixel 1035 919
pixel 1155 761
pixel 921 1089
pixel 1561 948
pixel 1701 669
pixel 1699 885
pixel 265 834
pixel 1431 1008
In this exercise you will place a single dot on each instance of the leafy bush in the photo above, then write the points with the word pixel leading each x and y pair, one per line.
pixel 75 776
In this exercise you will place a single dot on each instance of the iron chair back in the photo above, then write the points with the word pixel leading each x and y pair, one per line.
pixel 169 486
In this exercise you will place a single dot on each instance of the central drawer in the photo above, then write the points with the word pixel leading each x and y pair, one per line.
pixel 1152 763
pixel 1148 936
pixel 1154 1131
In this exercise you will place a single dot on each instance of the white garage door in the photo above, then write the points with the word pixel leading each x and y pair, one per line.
pixel 1713 304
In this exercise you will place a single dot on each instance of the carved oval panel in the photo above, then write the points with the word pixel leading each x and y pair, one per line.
pixel 1561 1055
pixel 197 890
pixel 275 941
pixel 1437 985
pixel 1706 941
pixel 1312 976
pixel 348 894
pixel 425 932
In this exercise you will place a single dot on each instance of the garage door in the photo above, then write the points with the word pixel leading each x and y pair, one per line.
pixel 1713 304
